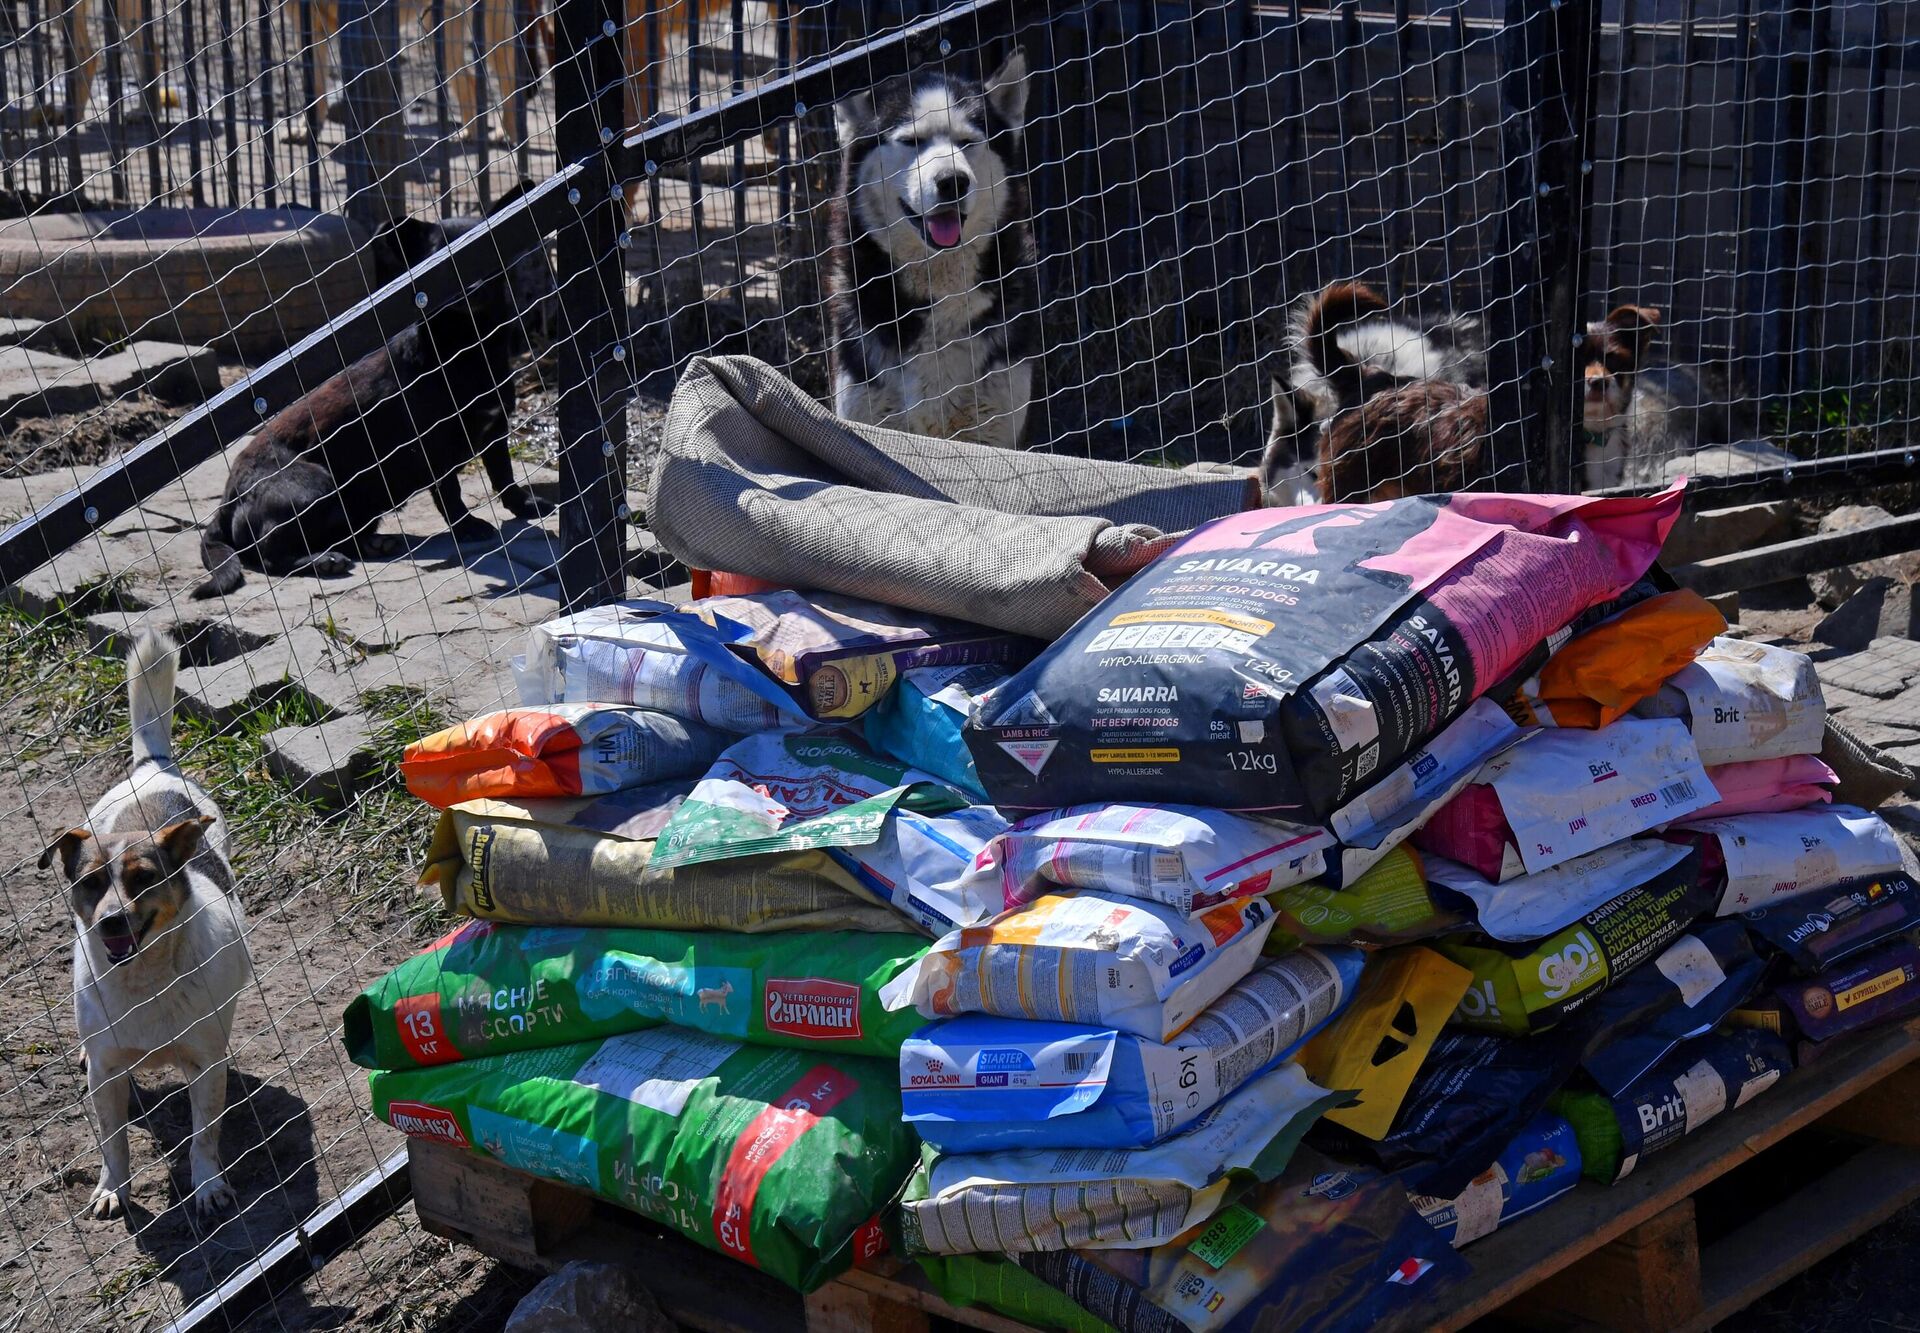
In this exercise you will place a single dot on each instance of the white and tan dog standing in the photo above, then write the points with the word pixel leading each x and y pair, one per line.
pixel 161 956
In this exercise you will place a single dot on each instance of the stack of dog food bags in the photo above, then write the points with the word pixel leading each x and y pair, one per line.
pixel 1346 885
pixel 681 878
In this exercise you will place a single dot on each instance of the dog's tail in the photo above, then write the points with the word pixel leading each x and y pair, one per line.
pixel 1339 306
pixel 151 667
pixel 218 555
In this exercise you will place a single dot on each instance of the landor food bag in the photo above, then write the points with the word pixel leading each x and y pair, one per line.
pixel 840 655
pixel 1790 852
pixel 1186 858
pixel 1011 1202
pixel 1089 958
pixel 979 1084
pixel 557 751
pixel 1561 793
pixel 1745 700
pixel 646 654
pixel 1283 659
pixel 487 989
pixel 780 1159
pixel 1602 673
pixel 588 863
pixel 1817 930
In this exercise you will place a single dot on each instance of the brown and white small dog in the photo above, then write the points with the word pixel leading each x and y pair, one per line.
pixel 1385 408
pixel 161 956
pixel 1611 356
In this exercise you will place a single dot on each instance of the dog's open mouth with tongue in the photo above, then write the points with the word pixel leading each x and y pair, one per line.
pixel 121 939
pixel 940 227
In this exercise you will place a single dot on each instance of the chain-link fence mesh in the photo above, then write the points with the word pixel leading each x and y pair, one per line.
pixel 187 190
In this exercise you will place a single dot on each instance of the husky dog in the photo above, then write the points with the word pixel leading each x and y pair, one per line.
pixel 161 956
pixel 933 306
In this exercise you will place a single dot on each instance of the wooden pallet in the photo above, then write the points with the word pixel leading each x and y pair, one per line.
pixel 1697 1234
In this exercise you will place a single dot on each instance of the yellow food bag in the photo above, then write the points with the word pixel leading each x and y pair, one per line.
pixel 1379 1041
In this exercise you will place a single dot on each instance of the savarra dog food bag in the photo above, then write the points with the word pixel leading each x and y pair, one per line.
pixel 589 863
pixel 1526 986
pixel 644 653
pixel 1719 1072
pixel 488 989
pixel 1135 966
pixel 1745 700
pixel 1540 1165
pixel 1785 853
pixel 1561 793
pixel 919 721
pixel 1283 659
pixel 840 655
pixel 1186 858
pixel 1013 1202
pixel 781 1159
pixel 979 1084
pixel 558 751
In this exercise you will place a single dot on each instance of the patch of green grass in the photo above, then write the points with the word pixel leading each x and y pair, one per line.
pixel 130 1272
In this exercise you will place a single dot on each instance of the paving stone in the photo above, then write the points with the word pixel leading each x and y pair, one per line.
pixel 1886 668
pixel 227 691
pixel 43 384
pixel 16 331
pixel 1730 460
pixel 1839 701
pixel 1833 586
pixel 1711 532
pixel 1902 712
pixel 82 579
pixel 171 372
pixel 326 762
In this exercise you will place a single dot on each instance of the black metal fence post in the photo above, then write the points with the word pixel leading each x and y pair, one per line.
pixel 370 85
pixel 1546 134
pixel 594 374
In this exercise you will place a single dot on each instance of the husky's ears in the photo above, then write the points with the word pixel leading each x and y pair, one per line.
pixel 855 118
pixel 1007 89
pixel 68 847
pixel 1637 325
pixel 180 841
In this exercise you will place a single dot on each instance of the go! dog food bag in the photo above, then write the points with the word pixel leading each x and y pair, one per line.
pixel 1745 700
pixel 919 721
pixel 590 863
pixel 1285 659
pixel 1529 986
pixel 645 654
pixel 488 989
pixel 781 1159
pixel 1785 853
pixel 981 1084
pixel 1185 858
pixel 563 750
pixel 1134 966
pixel 838 655
pixel 1559 794
pixel 1018 1202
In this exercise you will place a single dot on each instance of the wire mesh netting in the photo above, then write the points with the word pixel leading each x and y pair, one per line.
pixel 1111 222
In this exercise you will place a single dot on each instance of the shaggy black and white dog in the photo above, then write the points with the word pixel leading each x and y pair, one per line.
pixel 933 307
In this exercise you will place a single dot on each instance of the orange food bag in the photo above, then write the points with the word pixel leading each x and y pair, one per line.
pixel 1601 674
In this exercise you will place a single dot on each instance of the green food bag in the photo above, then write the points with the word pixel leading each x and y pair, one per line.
pixel 487 989
pixel 780 1159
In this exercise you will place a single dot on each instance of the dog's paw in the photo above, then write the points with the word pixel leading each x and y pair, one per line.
pixel 473 530
pixel 108 1204
pixel 330 565
pixel 523 503
pixel 212 1197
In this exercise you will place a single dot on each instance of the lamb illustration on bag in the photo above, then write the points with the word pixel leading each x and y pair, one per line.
pixel 717 997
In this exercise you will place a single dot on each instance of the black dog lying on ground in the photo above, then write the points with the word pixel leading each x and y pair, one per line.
pixel 308 491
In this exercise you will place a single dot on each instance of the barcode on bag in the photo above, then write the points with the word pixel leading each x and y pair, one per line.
pixel 1076 1062
pixel 1675 793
